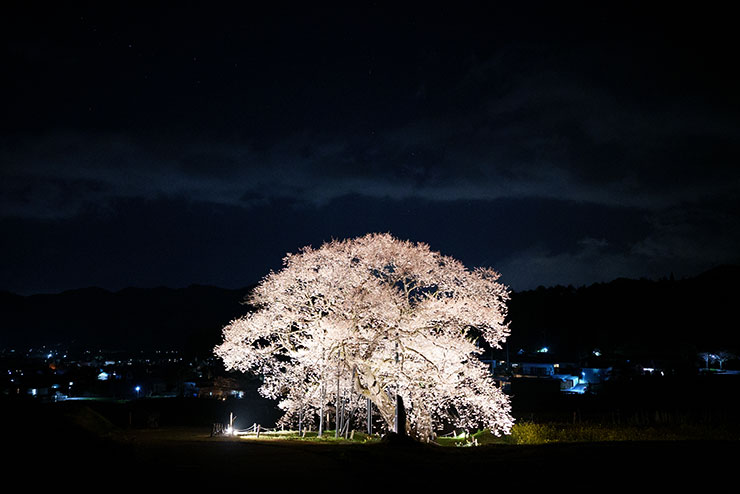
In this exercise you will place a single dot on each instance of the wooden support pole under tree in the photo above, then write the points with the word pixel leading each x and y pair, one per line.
pixel 321 413
pixel 342 417
pixel 336 418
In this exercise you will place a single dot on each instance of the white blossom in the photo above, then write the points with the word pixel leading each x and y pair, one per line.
pixel 374 317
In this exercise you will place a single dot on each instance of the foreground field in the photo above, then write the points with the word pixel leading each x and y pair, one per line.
pixel 48 449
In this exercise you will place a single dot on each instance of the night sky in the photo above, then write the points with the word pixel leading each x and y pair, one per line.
pixel 148 146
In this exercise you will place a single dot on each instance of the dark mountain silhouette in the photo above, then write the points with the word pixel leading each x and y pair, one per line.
pixel 667 318
pixel 130 319
pixel 657 318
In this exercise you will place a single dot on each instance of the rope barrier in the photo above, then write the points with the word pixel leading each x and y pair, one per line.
pixel 223 430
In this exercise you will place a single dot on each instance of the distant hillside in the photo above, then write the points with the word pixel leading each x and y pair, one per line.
pixel 671 318
pixel 131 319
pixel 652 317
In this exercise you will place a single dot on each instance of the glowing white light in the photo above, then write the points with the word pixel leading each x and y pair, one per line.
pixel 544 349
pixel 348 291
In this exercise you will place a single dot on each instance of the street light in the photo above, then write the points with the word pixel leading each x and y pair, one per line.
pixel 137 389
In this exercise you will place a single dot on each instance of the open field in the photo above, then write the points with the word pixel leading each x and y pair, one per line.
pixel 47 447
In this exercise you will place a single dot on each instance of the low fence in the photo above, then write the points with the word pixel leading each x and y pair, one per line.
pixel 220 429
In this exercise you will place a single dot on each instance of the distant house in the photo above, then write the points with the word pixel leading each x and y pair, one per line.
pixel 542 364
pixel 595 375
pixel 221 388
pixel 569 382
pixel 538 369
pixel 189 389
pixel 566 376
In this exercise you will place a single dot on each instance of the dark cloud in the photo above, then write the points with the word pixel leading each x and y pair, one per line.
pixel 178 242
pixel 562 147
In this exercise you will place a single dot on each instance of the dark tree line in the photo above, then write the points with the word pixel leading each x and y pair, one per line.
pixel 666 318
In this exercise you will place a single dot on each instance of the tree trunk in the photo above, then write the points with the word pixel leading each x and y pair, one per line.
pixel 400 426
pixel 377 395
pixel 386 404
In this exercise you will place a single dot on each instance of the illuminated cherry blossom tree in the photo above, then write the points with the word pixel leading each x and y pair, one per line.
pixel 375 317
